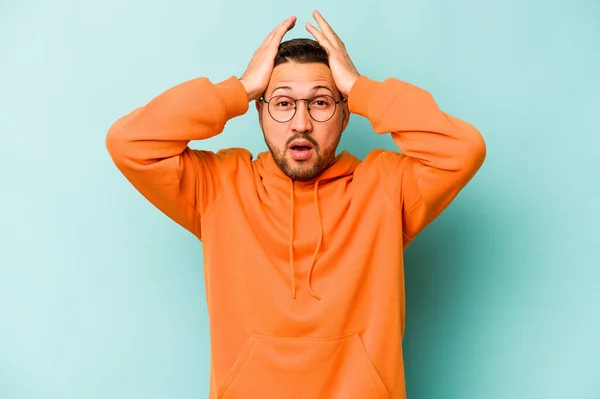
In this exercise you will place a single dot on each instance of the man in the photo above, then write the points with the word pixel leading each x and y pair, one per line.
pixel 303 249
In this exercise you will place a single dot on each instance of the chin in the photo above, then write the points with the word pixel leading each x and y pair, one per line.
pixel 311 160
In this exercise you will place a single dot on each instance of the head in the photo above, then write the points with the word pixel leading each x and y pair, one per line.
pixel 301 71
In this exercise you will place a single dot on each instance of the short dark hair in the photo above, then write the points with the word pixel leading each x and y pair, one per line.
pixel 302 51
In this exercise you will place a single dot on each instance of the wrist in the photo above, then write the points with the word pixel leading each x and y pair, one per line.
pixel 350 86
pixel 252 94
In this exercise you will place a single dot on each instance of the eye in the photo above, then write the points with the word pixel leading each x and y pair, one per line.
pixel 321 102
pixel 283 102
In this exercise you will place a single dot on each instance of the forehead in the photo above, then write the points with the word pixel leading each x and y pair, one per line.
pixel 301 78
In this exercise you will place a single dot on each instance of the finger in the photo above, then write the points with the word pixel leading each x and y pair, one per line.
pixel 283 28
pixel 323 41
pixel 272 34
pixel 325 27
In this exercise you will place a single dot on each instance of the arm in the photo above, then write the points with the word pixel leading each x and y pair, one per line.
pixel 440 153
pixel 150 146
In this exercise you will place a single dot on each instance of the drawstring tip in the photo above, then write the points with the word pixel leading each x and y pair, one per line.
pixel 294 293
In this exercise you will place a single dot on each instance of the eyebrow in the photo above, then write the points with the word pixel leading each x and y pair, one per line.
pixel 314 88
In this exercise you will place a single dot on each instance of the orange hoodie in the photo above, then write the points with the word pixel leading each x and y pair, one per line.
pixel 304 280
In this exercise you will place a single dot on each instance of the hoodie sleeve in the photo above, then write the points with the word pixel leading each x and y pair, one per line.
pixel 150 146
pixel 439 153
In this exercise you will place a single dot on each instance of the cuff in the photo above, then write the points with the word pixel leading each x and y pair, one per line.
pixel 234 97
pixel 361 94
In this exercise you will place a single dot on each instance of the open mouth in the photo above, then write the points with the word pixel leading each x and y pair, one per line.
pixel 300 148
pixel 301 151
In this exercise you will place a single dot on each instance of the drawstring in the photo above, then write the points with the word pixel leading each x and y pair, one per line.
pixel 293 274
pixel 314 260
pixel 317 249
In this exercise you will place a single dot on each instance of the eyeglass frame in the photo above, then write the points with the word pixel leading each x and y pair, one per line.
pixel 262 99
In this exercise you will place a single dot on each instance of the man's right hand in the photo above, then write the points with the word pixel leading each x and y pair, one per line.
pixel 256 77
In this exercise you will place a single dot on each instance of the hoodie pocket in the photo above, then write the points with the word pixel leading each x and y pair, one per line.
pixel 303 368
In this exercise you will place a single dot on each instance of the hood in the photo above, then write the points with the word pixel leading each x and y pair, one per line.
pixel 343 165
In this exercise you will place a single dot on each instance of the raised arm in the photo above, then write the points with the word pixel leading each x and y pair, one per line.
pixel 150 144
pixel 439 153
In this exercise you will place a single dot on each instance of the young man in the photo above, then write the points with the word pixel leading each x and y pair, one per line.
pixel 303 249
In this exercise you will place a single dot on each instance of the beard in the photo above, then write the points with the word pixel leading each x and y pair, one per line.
pixel 303 170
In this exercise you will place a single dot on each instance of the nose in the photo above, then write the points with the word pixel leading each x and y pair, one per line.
pixel 301 122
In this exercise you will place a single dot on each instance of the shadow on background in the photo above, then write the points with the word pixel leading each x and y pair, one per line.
pixel 451 290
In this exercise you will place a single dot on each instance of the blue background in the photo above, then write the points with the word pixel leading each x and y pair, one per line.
pixel 101 296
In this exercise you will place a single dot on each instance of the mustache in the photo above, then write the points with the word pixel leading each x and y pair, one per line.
pixel 302 137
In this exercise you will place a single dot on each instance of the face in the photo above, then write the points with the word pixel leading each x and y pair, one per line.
pixel 288 141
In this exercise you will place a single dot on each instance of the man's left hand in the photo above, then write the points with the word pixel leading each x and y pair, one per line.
pixel 343 70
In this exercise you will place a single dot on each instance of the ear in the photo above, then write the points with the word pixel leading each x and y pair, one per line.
pixel 345 115
pixel 259 109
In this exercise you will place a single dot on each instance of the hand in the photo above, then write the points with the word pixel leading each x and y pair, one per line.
pixel 343 70
pixel 256 77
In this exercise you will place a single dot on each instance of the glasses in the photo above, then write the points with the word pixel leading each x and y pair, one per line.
pixel 320 108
